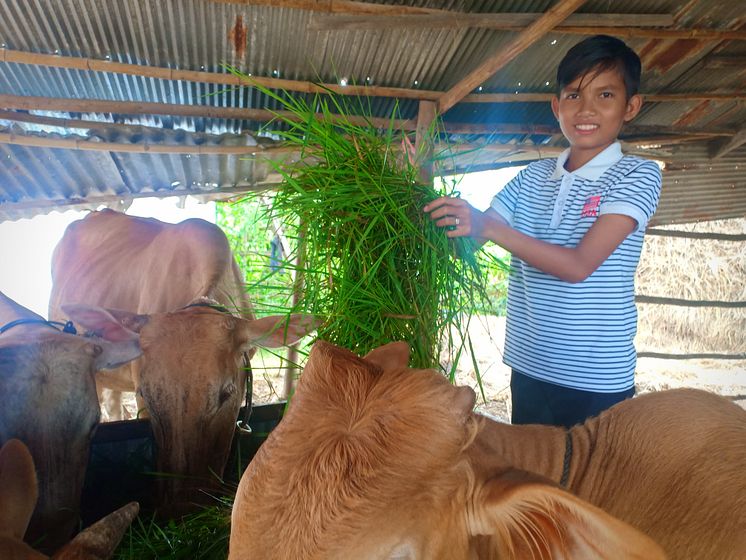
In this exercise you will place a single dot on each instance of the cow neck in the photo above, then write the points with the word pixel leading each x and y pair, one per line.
pixel 534 448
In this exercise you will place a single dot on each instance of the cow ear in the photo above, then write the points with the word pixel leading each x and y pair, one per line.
pixel 18 488
pixel 275 331
pixel 100 539
pixel 111 355
pixel 114 325
pixel 528 518
pixel 391 356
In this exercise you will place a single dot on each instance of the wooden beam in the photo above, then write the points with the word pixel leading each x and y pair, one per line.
pixel 26 103
pixel 719 148
pixel 141 147
pixel 700 34
pixel 424 137
pixel 648 97
pixel 227 79
pixel 365 8
pixel 14 208
pixel 44 103
pixel 82 124
pixel 737 63
pixel 525 39
pixel 334 6
pixel 220 78
pixel 662 140
pixel 497 21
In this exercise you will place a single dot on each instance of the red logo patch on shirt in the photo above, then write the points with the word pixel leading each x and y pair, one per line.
pixel 590 208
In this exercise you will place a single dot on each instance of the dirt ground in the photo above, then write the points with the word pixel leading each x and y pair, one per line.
pixel 725 377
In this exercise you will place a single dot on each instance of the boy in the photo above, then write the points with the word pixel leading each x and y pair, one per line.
pixel 574 226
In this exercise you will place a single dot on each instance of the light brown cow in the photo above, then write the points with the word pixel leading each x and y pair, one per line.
pixel 18 493
pixel 377 461
pixel 191 378
pixel 50 403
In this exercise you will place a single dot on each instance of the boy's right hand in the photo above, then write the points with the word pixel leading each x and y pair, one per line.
pixel 460 217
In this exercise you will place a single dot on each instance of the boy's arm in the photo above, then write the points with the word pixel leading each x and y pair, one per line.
pixel 569 264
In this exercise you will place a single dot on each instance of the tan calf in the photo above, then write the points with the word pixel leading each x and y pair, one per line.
pixel 377 461
pixel 18 494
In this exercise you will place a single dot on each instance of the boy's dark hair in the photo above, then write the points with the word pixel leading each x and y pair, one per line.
pixel 597 54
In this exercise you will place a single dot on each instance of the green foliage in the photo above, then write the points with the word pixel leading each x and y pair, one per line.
pixel 374 265
pixel 199 536
pixel 249 231
pixel 495 263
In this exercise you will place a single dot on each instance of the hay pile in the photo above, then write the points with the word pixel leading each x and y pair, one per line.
pixel 696 269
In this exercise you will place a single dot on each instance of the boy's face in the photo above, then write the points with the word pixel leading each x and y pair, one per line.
pixel 591 111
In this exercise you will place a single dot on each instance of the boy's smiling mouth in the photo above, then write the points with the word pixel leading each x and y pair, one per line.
pixel 586 127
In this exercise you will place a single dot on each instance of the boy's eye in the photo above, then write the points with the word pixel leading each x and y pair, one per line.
pixel 607 94
pixel 572 96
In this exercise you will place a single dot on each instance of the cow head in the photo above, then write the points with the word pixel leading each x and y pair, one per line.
pixel 192 380
pixel 50 403
pixel 18 494
pixel 373 460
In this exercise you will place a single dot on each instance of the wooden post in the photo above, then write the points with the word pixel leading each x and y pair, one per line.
pixel 423 143
pixel 292 354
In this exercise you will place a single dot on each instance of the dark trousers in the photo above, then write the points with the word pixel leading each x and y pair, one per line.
pixel 539 402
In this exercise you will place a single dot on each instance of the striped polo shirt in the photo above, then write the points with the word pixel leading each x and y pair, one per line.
pixel 577 335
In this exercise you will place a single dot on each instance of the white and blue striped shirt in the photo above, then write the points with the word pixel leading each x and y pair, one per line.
pixel 577 335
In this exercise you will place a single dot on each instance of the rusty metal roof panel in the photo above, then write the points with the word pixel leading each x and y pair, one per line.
pixel 279 42
pixel 40 180
pixel 697 188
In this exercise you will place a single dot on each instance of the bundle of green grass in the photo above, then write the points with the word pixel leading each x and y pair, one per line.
pixel 374 265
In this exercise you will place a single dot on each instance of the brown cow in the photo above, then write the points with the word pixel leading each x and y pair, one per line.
pixel 50 403
pixel 18 493
pixel 191 378
pixel 374 460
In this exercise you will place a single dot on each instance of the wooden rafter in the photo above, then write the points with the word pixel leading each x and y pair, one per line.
pixel 33 141
pixel 335 6
pixel 640 133
pixel 700 34
pixel 525 39
pixel 719 148
pixel 26 103
pixel 230 80
pixel 220 78
pixel 498 21
pixel 366 8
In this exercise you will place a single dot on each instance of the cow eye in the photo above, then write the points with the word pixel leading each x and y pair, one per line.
pixel 226 393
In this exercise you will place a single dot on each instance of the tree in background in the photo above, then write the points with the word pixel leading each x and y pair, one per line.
pixel 258 252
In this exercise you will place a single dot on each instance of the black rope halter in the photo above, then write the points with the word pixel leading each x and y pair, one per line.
pixel 242 424
pixel 67 327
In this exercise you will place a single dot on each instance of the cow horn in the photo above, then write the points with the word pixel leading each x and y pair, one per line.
pixel 98 541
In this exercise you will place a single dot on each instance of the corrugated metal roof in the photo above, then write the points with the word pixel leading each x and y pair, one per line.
pixel 271 41
pixel 697 188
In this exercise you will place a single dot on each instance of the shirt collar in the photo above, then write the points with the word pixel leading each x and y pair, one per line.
pixel 594 168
